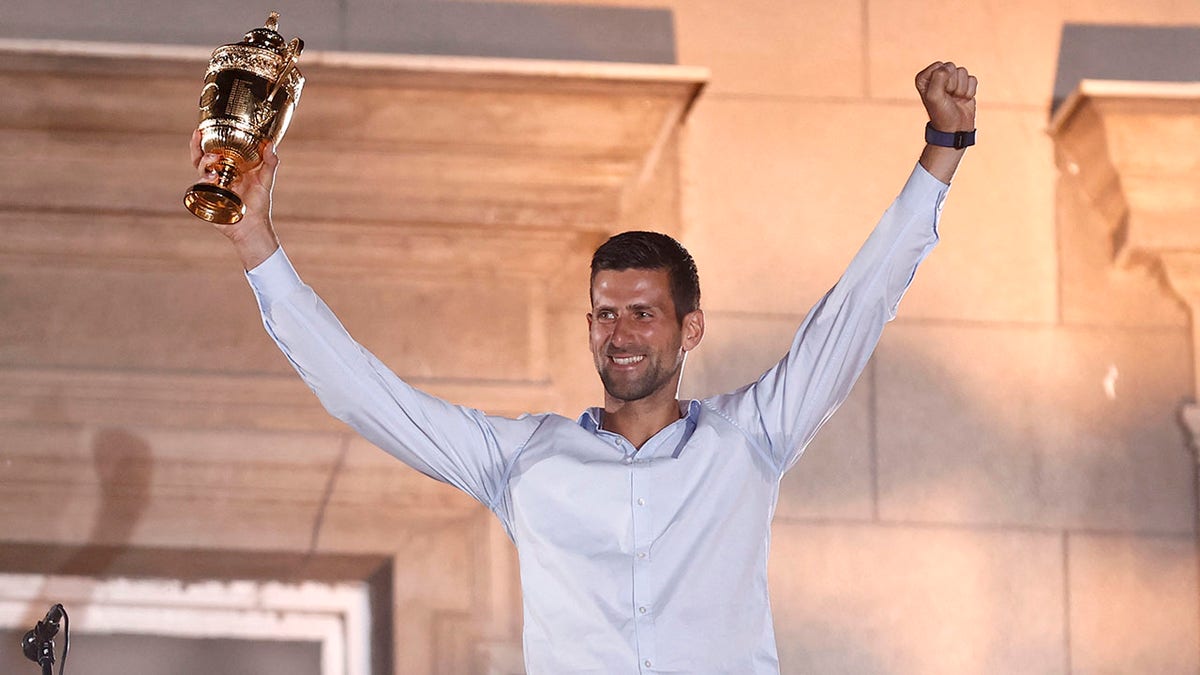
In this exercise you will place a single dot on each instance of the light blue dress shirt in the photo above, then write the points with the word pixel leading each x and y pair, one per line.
pixel 650 560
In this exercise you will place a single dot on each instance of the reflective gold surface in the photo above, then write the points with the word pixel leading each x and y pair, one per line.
pixel 250 93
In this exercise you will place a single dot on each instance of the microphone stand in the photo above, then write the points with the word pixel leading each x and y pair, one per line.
pixel 38 643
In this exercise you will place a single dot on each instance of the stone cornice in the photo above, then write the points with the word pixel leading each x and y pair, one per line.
pixel 425 139
pixel 1134 148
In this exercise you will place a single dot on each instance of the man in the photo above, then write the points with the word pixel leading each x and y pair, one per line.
pixel 642 528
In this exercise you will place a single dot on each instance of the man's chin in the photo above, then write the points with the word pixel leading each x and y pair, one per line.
pixel 625 392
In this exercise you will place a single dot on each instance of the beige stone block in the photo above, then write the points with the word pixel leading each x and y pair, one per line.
pixel 870 599
pixel 766 46
pixel 1047 427
pixel 763 192
pixel 1152 12
pixel 1011 46
pixel 774 48
pixel 997 259
pixel 146 487
pixel 1133 604
pixel 833 478
pixel 116 318
pixel 206 322
pixel 433 328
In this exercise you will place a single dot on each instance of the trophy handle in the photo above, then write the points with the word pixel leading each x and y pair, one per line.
pixel 265 111
pixel 293 55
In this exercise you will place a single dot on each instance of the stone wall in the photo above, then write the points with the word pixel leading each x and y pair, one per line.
pixel 1007 490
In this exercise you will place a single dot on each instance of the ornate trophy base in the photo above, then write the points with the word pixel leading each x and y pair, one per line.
pixel 214 203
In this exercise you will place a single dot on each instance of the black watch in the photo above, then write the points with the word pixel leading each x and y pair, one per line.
pixel 957 140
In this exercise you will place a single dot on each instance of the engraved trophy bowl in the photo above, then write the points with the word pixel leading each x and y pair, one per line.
pixel 250 92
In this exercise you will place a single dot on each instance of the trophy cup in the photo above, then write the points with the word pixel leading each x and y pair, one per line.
pixel 250 92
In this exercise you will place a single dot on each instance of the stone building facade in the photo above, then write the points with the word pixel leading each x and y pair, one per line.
pixel 1010 488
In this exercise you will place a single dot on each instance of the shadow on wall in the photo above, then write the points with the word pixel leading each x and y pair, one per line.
pixel 123 467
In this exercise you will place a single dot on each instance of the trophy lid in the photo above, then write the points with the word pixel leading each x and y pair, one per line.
pixel 267 37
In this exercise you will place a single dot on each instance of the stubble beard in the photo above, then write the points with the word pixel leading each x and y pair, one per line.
pixel 648 383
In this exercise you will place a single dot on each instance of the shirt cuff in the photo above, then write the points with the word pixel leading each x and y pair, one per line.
pixel 921 189
pixel 274 278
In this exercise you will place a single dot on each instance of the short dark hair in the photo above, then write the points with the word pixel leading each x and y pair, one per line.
pixel 653 251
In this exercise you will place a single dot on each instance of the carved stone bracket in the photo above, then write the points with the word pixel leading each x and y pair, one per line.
pixel 1134 149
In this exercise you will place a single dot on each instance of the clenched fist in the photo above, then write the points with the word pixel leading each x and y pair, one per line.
pixel 948 93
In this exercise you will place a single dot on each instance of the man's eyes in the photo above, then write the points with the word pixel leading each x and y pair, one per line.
pixel 609 315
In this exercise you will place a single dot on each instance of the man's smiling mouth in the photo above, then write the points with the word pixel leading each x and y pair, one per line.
pixel 627 360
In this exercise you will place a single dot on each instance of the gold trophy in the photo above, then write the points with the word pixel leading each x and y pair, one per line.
pixel 250 92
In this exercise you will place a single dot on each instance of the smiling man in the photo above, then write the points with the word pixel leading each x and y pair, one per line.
pixel 642 527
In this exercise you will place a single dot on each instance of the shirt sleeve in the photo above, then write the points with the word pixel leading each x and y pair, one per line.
pixel 784 408
pixel 454 444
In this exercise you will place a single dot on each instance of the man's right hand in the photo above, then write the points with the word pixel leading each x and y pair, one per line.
pixel 253 236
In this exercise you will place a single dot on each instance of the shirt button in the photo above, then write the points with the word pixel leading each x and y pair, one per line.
pixel 642 610
pixel 647 662
pixel 628 460
pixel 642 555
pixel 641 502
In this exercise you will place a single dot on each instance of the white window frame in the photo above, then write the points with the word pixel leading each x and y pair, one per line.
pixel 338 616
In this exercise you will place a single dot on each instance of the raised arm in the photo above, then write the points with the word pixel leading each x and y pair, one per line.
pixel 784 409
pixel 454 444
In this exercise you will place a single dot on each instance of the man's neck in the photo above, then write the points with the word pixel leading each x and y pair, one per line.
pixel 638 421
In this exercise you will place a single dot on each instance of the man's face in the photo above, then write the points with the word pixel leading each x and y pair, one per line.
pixel 636 340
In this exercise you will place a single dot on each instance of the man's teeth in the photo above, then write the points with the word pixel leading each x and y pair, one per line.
pixel 627 360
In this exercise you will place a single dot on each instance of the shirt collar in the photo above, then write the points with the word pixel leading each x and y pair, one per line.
pixel 591 418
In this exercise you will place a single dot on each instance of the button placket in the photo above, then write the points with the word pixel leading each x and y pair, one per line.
pixel 644 595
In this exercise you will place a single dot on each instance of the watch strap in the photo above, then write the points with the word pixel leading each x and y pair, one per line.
pixel 957 140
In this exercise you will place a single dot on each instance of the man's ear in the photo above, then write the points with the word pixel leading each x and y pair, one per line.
pixel 589 318
pixel 693 329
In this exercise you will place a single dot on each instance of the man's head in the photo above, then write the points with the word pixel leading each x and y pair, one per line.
pixel 653 251
pixel 645 315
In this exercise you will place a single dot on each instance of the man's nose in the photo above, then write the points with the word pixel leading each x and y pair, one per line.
pixel 621 333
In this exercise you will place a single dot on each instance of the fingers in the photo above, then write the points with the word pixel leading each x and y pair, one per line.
pixel 270 159
pixel 957 80
pixel 265 172
pixel 924 77
pixel 205 163
pixel 960 83
pixel 945 76
pixel 194 146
